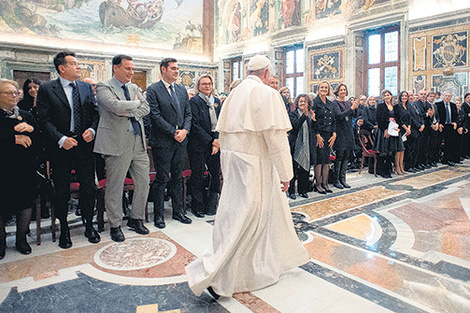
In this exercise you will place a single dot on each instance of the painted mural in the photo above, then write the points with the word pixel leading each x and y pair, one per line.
pixel 289 13
pixel 367 4
pixel 163 24
pixel 234 21
pixel 327 8
pixel 259 17
pixel 450 50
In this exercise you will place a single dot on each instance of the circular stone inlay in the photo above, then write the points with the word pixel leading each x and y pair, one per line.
pixel 135 254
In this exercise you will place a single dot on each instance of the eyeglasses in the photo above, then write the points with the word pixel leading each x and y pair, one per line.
pixel 11 93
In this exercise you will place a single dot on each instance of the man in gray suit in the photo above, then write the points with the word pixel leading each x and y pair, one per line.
pixel 121 139
pixel 170 115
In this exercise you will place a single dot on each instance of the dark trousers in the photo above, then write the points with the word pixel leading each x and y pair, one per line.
pixel 435 147
pixel 166 161
pixel 198 161
pixel 302 177
pixel 81 159
pixel 426 145
pixel 410 152
pixel 450 138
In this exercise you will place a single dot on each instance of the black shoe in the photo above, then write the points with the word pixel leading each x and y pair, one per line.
pixel 116 234
pixel 159 222
pixel 212 293
pixel 450 163
pixel 320 191
pixel 182 218
pixel 292 196
pixel 410 170
pixel 92 235
pixel 328 190
pixel 2 253
pixel 434 164
pixel 64 239
pixel 420 167
pixel 137 226
pixel 198 214
pixel 338 185
pixel 23 248
pixel 303 195
pixel 345 185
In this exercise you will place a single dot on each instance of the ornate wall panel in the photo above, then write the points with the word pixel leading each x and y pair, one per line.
pixel 325 65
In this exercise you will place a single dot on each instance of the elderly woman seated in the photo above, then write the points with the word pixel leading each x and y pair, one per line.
pixel 17 165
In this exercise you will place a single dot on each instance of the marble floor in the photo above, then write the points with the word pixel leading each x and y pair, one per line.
pixel 385 245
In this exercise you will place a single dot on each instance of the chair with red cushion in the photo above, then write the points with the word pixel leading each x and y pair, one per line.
pixel 365 138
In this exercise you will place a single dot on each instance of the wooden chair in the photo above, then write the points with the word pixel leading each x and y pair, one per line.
pixel 367 144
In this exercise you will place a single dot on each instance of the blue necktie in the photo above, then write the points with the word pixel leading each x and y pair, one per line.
pixel 134 122
pixel 448 117
pixel 77 113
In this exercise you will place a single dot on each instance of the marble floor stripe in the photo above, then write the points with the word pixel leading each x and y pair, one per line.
pixel 390 274
pixel 328 207
pixel 430 179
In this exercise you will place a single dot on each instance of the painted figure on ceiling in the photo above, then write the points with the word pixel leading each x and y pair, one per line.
pixel 234 22
pixel 290 12
pixel 259 17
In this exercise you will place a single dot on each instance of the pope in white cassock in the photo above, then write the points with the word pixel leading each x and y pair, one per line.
pixel 254 240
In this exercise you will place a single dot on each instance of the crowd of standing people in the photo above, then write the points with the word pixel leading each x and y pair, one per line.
pixel 407 134
pixel 67 122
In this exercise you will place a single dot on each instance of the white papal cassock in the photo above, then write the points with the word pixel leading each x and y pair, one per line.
pixel 254 240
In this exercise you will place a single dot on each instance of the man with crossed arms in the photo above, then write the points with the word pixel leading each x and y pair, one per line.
pixel 121 139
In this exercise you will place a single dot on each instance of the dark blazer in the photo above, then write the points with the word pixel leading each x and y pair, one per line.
pixel 417 119
pixel 441 108
pixel 54 113
pixel 201 136
pixel 466 109
pixel 423 109
pixel 384 114
pixel 17 165
pixel 164 115
pixel 403 115
pixel 297 121
pixel 325 115
pixel 344 126
pixel 370 117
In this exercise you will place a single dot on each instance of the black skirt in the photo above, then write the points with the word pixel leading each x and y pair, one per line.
pixel 323 154
pixel 388 146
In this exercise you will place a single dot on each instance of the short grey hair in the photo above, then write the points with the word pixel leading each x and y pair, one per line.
pixel 4 81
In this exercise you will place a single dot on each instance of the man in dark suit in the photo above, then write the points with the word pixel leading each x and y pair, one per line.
pixel 68 116
pixel 427 113
pixel 433 147
pixel 203 147
pixel 448 127
pixel 170 116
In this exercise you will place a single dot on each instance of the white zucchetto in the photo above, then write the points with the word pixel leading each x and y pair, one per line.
pixel 258 62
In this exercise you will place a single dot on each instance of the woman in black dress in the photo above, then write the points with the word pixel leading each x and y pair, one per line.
pixel 30 93
pixel 345 143
pixel 387 144
pixel 17 165
pixel 404 118
pixel 326 135
pixel 302 143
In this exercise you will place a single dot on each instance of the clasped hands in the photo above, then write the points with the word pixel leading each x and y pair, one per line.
pixel 71 142
pixel 23 140
pixel 180 135
pixel 331 141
